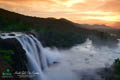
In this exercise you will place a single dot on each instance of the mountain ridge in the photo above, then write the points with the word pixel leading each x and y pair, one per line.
pixel 50 31
pixel 86 26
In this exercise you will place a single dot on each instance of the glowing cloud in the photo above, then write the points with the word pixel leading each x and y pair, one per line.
pixel 81 11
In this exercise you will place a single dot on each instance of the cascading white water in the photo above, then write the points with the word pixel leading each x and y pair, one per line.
pixel 81 62
pixel 38 57
pixel 37 60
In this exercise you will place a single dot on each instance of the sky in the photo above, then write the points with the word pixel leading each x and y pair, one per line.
pixel 80 11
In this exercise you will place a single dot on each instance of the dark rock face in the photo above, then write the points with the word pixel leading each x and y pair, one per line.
pixel 18 58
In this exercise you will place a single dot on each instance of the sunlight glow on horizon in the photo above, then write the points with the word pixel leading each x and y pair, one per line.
pixel 69 3
pixel 81 11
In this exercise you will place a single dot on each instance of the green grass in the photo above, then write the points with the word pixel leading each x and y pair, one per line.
pixel 7 52
pixel 7 55
pixel 117 66
pixel 116 69
pixel 7 58
pixel 116 79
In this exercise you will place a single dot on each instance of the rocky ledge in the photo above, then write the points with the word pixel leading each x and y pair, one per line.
pixel 12 59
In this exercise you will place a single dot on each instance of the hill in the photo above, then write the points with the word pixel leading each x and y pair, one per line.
pixel 51 31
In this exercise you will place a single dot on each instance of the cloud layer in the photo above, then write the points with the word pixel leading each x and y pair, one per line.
pixel 81 11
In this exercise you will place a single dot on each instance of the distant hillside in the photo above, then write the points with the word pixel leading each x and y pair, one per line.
pixel 7 17
pixel 51 31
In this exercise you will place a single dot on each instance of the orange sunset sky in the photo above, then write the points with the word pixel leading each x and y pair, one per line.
pixel 80 11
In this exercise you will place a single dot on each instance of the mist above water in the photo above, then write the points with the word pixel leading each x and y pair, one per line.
pixel 82 62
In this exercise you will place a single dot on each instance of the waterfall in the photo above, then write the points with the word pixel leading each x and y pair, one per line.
pixel 38 56
pixel 37 60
